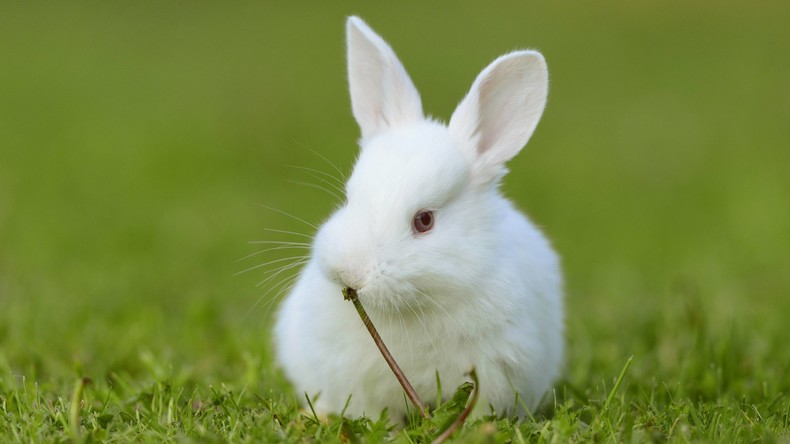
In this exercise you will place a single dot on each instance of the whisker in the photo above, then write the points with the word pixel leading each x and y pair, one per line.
pixel 325 159
pixel 285 276
pixel 425 328
pixel 313 170
pixel 405 332
pixel 285 283
pixel 286 266
pixel 280 270
pixel 318 187
pixel 269 263
pixel 285 288
pixel 305 244
pixel 289 215
pixel 339 189
pixel 440 307
pixel 281 247
pixel 289 232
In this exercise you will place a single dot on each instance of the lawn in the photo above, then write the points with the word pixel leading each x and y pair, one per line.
pixel 140 144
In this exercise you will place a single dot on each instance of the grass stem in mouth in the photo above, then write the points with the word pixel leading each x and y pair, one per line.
pixel 350 294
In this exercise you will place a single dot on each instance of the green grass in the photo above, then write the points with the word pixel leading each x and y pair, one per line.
pixel 138 141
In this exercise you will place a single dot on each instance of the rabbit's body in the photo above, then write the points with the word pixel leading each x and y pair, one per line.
pixel 472 284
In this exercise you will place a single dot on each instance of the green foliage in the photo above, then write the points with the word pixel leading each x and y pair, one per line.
pixel 441 418
pixel 137 140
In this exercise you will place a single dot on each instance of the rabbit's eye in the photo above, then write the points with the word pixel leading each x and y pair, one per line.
pixel 423 222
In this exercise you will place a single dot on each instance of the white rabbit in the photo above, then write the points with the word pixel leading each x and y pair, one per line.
pixel 451 274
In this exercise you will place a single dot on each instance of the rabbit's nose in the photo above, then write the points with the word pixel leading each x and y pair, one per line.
pixel 353 277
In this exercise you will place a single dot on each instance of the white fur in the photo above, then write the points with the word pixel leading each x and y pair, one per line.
pixel 483 288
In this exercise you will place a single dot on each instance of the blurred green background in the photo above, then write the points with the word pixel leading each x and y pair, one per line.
pixel 139 139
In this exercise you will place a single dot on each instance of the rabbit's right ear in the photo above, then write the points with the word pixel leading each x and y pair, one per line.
pixel 499 114
pixel 382 94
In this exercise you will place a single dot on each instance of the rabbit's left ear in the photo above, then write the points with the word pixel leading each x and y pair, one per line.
pixel 382 94
pixel 499 114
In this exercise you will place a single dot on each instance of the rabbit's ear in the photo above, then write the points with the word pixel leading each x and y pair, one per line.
pixel 500 112
pixel 382 94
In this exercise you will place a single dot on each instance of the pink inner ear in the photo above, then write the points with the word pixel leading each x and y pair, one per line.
pixel 382 94
pixel 501 99
pixel 511 95
pixel 493 119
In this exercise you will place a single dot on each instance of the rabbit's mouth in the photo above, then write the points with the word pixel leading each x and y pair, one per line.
pixel 384 295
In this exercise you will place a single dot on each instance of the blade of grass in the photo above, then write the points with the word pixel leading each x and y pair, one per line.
pixel 617 383
pixel 459 421
pixel 610 397
pixel 74 409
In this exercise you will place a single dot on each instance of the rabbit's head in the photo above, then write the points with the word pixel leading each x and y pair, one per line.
pixel 423 213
